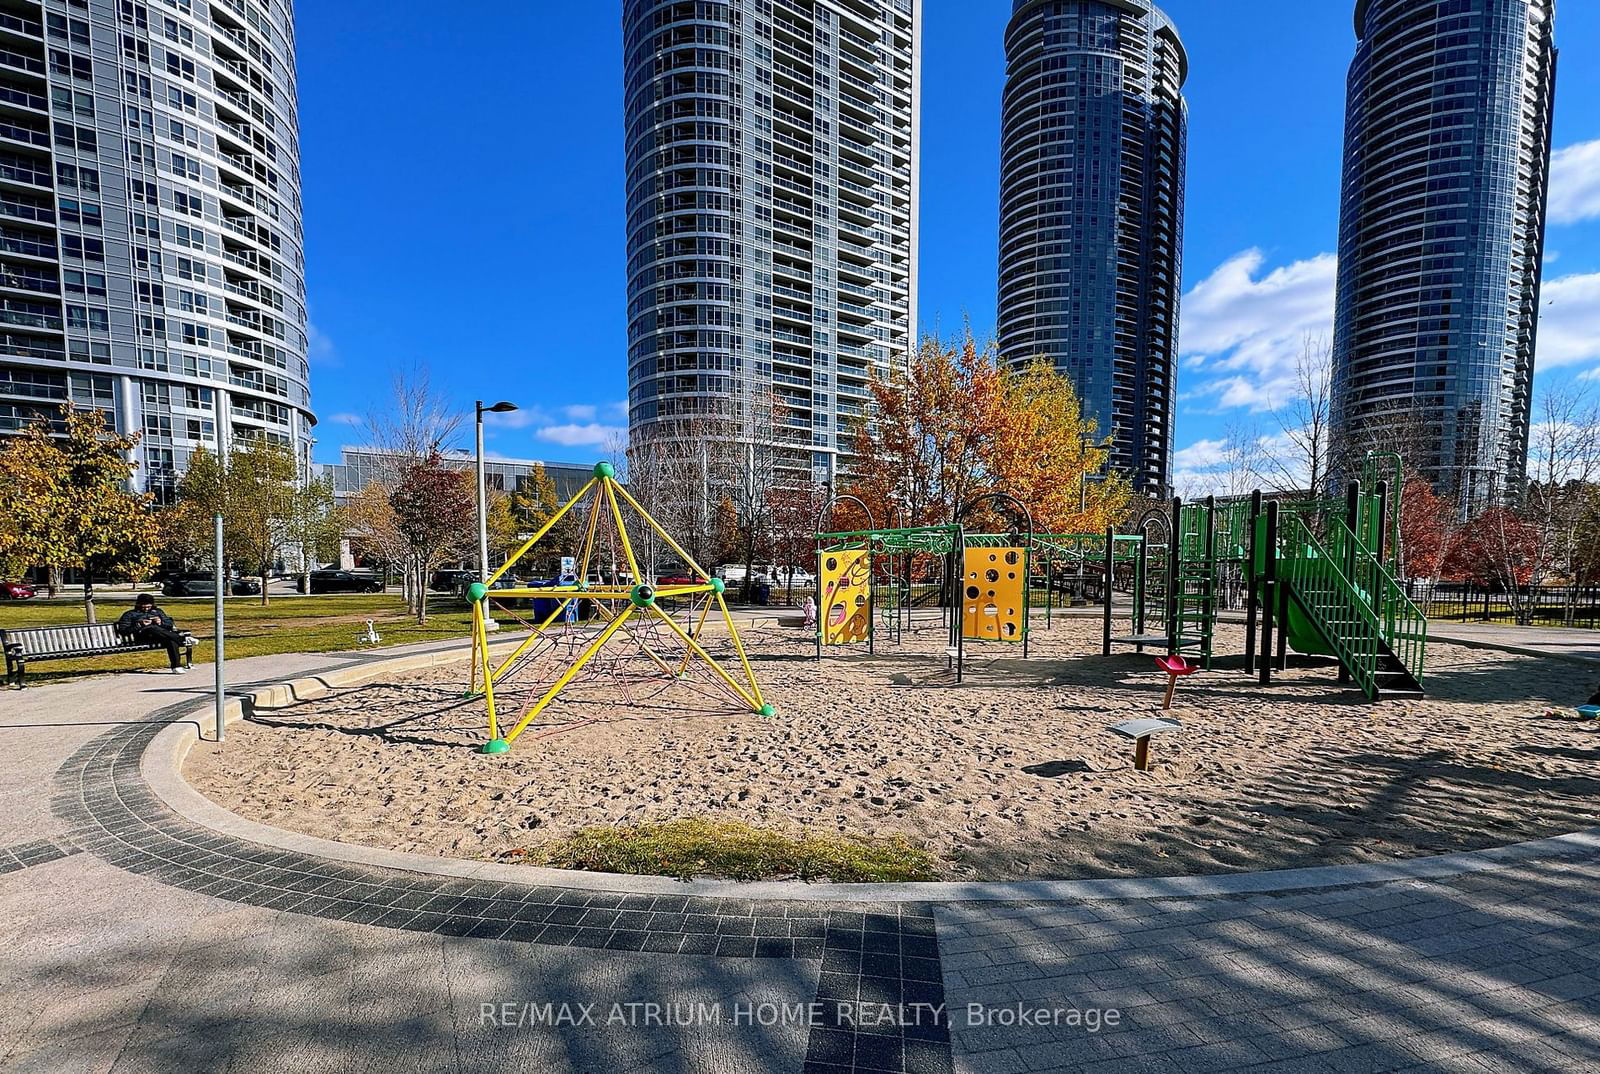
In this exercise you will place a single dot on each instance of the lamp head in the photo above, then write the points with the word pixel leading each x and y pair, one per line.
pixel 501 407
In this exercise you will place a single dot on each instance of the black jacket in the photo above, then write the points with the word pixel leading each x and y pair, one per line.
pixel 135 619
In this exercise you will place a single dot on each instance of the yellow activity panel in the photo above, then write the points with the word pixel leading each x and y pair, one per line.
pixel 846 614
pixel 994 593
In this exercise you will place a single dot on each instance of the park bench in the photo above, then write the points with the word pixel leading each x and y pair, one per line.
pixel 25 645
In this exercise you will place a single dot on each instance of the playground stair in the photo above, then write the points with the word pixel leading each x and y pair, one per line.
pixel 1192 603
pixel 1375 631
pixel 1195 610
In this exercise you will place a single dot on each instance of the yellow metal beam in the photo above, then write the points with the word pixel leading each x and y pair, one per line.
pixel 560 684
pixel 663 534
pixel 739 648
pixel 488 679
pixel 699 630
pixel 597 592
pixel 708 658
pixel 588 537
pixel 544 529
pixel 622 530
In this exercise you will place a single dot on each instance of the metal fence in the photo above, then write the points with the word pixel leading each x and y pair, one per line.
pixel 1544 605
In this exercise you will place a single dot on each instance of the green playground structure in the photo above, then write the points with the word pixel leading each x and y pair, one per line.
pixel 1318 577
pixel 1314 575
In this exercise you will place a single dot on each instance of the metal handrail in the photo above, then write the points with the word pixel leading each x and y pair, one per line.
pixel 1326 592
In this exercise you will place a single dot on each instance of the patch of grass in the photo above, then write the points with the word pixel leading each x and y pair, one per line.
pixel 697 847
pixel 320 624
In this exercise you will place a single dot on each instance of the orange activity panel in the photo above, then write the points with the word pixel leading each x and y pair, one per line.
pixel 846 596
pixel 993 590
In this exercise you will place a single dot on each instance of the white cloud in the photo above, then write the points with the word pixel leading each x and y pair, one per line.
pixel 1200 455
pixel 1243 331
pixel 1244 459
pixel 580 411
pixel 523 418
pixel 1593 374
pixel 319 348
pixel 587 434
pixel 1575 183
pixel 1569 321
pixel 345 419
pixel 617 411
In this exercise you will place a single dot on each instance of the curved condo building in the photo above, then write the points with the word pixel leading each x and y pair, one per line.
pixel 1093 136
pixel 772 154
pixel 150 236
pixel 1447 160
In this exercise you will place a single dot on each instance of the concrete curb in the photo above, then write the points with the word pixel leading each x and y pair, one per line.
pixel 162 768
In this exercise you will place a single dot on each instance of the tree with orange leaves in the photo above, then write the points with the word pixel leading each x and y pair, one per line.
pixel 1045 452
pixel 1425 529
pixel 920 452
pixel 953 425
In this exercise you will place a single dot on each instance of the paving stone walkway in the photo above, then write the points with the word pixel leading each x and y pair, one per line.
pixel 136 940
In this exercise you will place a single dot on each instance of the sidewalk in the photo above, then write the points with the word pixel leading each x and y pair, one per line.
pixel 1533 641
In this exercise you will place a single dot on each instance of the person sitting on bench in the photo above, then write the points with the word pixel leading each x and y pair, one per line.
pixel 147 623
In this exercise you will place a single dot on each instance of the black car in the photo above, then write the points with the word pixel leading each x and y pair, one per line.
pixel 451 581
pixel 204 584
pixel 343 582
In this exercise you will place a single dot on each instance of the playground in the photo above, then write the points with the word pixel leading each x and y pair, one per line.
pixel 1012 775
pixel 1241 686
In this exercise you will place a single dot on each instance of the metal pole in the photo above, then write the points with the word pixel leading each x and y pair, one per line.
pixel 1111 566
pixel 1174 576
pixel 483 513
pixel 220 571
pixel 1141 581
pixel 483 519
pixel 1269 591
pixel 1252 587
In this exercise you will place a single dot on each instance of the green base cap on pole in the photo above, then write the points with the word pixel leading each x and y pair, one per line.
pixel 476 591
pixel 718 585
pixel 768 710
pixel 604 469
pixel 495 745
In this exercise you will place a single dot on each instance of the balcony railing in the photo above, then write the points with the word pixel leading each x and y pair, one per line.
pixel 18 60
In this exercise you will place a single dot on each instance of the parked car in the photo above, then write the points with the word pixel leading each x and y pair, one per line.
pixel 676 579
pixel 343 582
pixel 17 591
pixel 190 584
pixel 204 584
pixel 451 581
pixel 802 579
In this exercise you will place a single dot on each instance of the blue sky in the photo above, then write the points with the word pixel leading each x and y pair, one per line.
pixel 464 205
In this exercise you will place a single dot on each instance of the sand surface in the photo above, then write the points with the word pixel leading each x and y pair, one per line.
pixel 1012 775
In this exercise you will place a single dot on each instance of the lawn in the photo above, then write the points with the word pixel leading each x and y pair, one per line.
pixel 695 847
pixel 321 624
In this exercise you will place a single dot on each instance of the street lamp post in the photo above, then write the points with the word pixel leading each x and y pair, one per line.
pixel 501 407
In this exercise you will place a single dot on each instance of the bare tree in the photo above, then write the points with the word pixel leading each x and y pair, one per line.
pixel 670 468
pixel 1563 463
pixel 1300 459
pixel 418 422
